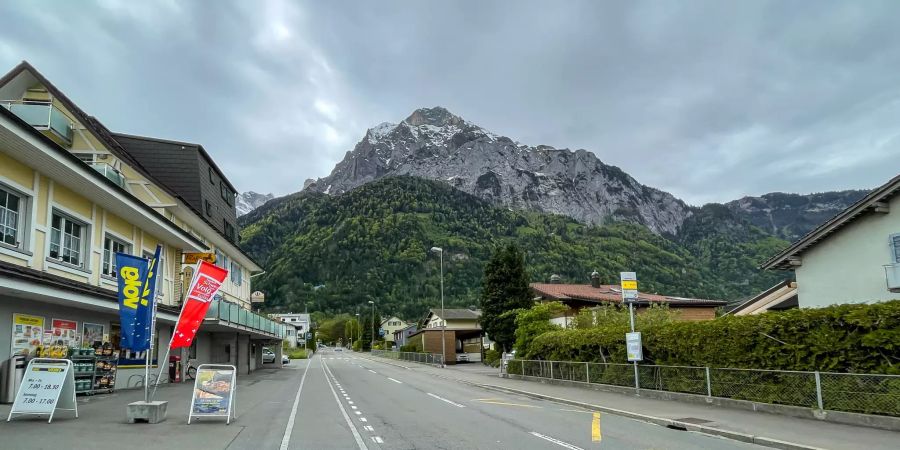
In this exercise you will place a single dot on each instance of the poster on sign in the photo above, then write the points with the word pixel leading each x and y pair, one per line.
pixel 214 392
pixel 27 334
pixel 64 332
pixel 48 385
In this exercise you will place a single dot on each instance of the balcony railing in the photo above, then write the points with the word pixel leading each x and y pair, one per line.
pixel 42 116
pixel 230 312
pixel 109 172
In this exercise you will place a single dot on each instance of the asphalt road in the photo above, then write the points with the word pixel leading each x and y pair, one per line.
pixel 340 400
pixel 349 402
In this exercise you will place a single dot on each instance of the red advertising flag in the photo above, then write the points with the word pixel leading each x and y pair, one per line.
pixel 208 278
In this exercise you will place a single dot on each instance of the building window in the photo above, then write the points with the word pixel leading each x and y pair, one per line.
pixel 221 260
pixel 111 246
pixel 237 277
pixel 229 230
pixel 208 207
pixel 895 247
pixel 212 179
pixel 67 239
pixel 12 218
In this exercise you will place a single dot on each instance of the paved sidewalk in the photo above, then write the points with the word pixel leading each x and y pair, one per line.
pixel 783 428
pixel 263 401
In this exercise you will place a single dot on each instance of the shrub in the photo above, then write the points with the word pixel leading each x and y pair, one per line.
pixel 534 321
pixel 295 353
pixel 408 348
pixel 863 338
pixel 492 357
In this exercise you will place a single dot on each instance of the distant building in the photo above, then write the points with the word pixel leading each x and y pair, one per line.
pixel 390 325
pixel 299 326
pixel 463 336
pixel 780 297
pixel 401 336
pixel 853 257
pixel 579 296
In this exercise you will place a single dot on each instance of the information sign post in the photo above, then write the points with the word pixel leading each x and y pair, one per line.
pixel 214 392
pixel 629 286
pixel 48 385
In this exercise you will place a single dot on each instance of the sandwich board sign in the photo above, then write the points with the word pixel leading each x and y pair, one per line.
pixel 48 385
pixel 213 394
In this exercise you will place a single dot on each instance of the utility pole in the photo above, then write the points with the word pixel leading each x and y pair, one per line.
pixel 440 252
pixel 372 344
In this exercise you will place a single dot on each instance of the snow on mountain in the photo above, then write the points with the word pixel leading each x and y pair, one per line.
pixel 248 201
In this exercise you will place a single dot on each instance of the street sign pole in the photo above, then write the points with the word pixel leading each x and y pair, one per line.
pixel 628 284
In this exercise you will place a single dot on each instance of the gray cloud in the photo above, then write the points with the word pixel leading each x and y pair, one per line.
pixel 709 101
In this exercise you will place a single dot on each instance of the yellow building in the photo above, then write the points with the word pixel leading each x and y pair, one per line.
pixel 71 196
pixel 392 325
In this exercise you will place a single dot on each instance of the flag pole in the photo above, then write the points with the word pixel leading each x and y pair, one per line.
pixel 156 295
pixel 172 337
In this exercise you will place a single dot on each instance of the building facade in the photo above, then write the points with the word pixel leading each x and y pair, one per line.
pixel 298 325
pixel 463 338
pixel 390 326
pixel 71 196
pixel 853 257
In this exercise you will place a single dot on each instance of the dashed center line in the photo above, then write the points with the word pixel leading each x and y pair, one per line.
pixel 445 400
pixel 370 370
pixel 378 440
pixel 395 381
pixel 369 428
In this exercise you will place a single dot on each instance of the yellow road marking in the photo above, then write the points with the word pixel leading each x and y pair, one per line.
pixel 595 428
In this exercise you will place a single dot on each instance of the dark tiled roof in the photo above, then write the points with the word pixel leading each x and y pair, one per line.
pixel 456 314
pixel 611 294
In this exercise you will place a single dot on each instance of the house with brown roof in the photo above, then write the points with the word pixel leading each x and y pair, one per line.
pixel 854 257
pixel 463 337
pixel 580 296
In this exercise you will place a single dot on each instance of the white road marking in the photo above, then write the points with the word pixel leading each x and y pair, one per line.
pixel 349 402
pixel 378 440
pixel 445 400
pixel 363 419
pixel 395 381
pixel 370 370
pixel 286 439
pixel 556 441
pixel 369 428
pixel 353 406
pixel 357 412
pixel 359 440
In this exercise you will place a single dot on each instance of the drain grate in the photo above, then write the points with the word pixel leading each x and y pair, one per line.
pixel 693 420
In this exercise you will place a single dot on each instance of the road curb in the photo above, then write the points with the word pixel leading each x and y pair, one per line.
pixel 669 423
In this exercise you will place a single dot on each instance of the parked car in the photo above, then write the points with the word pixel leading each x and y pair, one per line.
pixel 285 359
pixel 339 349
pixel 268 356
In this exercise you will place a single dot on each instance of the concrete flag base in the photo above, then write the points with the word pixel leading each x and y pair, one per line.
pixel 146 412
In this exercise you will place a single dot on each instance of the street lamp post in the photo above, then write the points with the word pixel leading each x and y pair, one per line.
pixel 372 345
pixel 440 252
pixel 356 327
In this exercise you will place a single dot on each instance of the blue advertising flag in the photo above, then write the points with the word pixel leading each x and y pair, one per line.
pixel 132 274
pixel 145 310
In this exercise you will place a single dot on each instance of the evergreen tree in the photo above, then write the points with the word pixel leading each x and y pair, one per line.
pixel 504 288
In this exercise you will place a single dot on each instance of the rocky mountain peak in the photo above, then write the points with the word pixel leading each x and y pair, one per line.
pixel 248 201
pixel 434 143
pixel 437 116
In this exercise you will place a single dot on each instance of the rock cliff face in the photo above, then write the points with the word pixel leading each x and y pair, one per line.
pixel 435 144
pixel 248 201
pixel 790 216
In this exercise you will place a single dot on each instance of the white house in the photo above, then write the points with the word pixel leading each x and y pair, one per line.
pixel 853 257
pixel 300 326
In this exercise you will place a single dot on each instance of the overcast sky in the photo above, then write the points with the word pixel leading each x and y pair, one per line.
pixel 709 101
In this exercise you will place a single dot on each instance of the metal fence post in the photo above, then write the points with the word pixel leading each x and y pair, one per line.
pixel 708 384
pixel 551 370
pixel 819 390
pixel 587 372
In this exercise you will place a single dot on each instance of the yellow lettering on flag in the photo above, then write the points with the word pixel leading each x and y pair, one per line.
pixel 629 284
pixel 132 290
pixel 595 428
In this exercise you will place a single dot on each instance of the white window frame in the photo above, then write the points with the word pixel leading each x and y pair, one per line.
pixel 894 242
pixel 160 270
pixel 109 255
pixel 22 222
pixel 83 244
pixel 237 276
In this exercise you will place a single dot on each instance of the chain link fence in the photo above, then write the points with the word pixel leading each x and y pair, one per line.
pixel 424 358
pixel 860 393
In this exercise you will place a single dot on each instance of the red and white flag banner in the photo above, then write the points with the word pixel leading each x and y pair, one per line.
pixel 208 278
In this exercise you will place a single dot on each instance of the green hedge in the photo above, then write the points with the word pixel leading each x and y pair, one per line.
pixel 843 338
